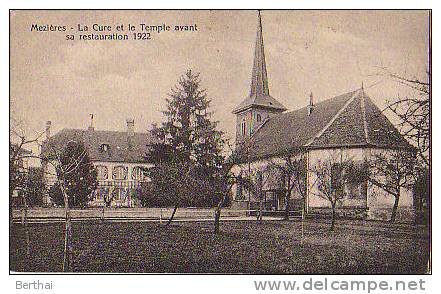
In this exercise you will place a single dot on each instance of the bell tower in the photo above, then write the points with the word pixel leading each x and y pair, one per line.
pixel 259 106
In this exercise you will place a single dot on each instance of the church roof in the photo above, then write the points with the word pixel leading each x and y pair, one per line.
pixel 259 90
pixel 120 149
pixel 347 120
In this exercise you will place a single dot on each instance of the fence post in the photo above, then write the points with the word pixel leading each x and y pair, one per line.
pixel 22 216
pixel 303 216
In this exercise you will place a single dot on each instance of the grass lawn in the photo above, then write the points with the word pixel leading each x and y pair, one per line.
pixel 242 247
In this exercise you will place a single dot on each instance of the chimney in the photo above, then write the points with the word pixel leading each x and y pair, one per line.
pixel 91 127
pixel 48 129
pixel 130 127
pixel 311 104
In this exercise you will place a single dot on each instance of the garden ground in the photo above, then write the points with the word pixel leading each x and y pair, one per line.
pixel 271 247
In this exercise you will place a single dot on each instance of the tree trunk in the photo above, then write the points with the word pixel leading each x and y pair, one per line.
pixel 260 214
pixel 286 206
pixel 217 214
pixel 171 217
pixel 26 227
pixel 67 258
pixel 333 219
pixel 394 209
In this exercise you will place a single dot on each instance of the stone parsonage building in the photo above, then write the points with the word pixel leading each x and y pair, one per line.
pixel 348 126
pixel 117 156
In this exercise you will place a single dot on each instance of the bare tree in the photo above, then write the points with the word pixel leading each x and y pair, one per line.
pixel 293 167
pixel 108 195
pixel 391 171
pixel 227 179
pixel 331 178
pixel 413 112
pixel 19 152
pixel 20 146
pixel 64 167
pixel 254 181
pixel 225 182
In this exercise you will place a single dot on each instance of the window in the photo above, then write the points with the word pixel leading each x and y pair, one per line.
pixel 356 187
pixel 118 194
pixel 356 190
pixel 336 177
pixel 119 173
pixel 102 172
pixel 243 128
pixel 239 191
pixel 104 147
pixel 258 117
pixel 100 193
pixel 137 173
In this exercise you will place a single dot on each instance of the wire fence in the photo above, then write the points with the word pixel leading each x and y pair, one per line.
pixel 146 214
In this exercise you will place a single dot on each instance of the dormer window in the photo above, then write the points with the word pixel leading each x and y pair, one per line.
pixel 104 147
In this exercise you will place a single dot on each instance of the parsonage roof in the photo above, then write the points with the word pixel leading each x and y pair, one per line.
pixel 110 146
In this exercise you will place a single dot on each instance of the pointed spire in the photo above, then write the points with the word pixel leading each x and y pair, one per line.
pixel 259 79
pixel 259 92
pixel 310 106
pixel 91 127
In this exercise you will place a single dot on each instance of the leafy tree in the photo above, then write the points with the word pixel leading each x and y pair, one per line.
pixel 173 184
pixel 80 182
pixel 35 187
pixel 56 195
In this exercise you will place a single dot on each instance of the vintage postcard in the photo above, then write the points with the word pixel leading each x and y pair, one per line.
pixel 220 142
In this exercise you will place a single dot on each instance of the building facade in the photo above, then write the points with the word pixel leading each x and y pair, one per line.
pixel 346 127
pixel 118 157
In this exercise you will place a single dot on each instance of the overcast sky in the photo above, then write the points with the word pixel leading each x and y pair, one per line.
pixel 326 52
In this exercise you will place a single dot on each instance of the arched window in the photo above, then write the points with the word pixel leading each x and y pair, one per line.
pixel 102 172
pixel 137 173
pixel 258 117
pixel 119 173
pixel 243 127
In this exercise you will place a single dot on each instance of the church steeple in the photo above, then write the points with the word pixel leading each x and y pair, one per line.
pixel 259 78
pixel 259 90
pixel 259 105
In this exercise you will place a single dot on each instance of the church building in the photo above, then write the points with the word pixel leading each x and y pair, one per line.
pixel 348 126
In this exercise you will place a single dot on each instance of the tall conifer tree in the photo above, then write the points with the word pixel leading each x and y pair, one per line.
pixel 189 144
